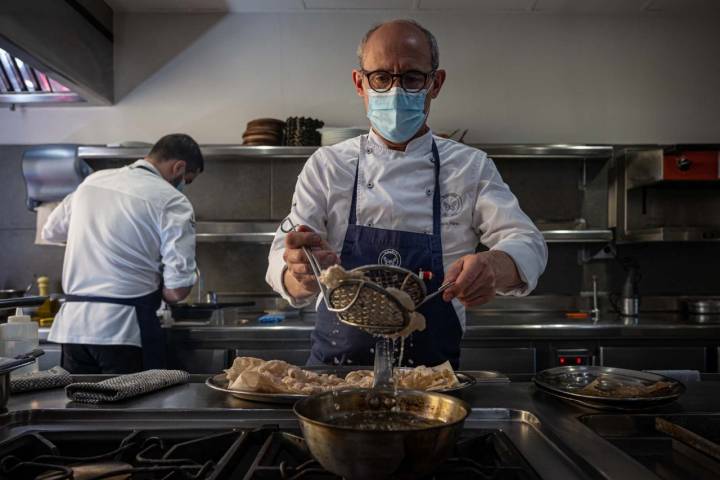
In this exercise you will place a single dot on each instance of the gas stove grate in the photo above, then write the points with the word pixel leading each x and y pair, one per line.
pixel 262 454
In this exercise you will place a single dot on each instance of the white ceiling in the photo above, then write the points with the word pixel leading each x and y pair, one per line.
pixel 539 6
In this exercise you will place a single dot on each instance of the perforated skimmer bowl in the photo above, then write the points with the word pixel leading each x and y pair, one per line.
pixel 366 303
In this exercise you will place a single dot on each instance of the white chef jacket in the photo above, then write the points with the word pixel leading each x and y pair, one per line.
pixel 124 228
pixel 395 192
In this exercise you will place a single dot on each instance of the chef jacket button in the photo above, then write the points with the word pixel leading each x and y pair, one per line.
pixel 369 224
pixel 370 185
pixel 428 192
pixel 368 150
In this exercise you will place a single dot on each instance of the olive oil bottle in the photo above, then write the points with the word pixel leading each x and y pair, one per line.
pixel 46 312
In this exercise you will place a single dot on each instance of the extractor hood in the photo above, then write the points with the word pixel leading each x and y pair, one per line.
pixel 22 84
pixel 56 52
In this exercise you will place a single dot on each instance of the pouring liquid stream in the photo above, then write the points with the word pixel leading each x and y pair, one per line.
pixel 383 368
pixel 383 411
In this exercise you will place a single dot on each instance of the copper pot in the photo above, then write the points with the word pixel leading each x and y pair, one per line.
pixel 354 453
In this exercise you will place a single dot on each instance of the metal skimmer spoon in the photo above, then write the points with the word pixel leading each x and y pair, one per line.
pixel 365 303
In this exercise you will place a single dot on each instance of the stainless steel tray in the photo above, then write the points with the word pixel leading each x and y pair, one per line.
pixel 219 382
pixel 567 383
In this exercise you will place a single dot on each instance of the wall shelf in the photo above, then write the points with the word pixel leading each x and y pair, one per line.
pixel 89 152
pixel 578 236
pixel 673 234
pixel 264 232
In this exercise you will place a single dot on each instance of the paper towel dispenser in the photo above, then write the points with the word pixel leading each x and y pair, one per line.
pixel 52 172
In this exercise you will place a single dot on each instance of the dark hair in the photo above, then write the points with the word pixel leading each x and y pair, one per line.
pixel 178 146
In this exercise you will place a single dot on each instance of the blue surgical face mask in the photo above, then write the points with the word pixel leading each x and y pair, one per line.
pixel 180 183
pixel 396 114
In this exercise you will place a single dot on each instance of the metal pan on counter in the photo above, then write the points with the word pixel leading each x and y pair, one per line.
pixel 219 382
pixel 609 388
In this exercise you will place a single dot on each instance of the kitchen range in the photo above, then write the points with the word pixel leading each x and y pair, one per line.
pixel 190 431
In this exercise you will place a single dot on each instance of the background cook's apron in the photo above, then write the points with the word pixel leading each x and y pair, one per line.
pixel 151 332
pixel 334 342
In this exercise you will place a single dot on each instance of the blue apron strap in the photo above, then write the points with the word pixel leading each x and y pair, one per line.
pixel 436 193
pixel 146 169
pixel 146 301
pixel 352 218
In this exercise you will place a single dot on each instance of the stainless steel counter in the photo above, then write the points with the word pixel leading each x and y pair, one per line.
pixel 511 342
pixel 195 404
pixel 487 326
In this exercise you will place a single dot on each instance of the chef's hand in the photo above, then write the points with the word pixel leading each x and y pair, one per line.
pixel 299 278
pixel 477 277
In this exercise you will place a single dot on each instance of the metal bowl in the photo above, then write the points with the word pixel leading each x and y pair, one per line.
pixel 354 453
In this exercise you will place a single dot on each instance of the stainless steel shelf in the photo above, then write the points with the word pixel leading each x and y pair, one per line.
pixel 546 151
pixel 673 234
pixel 577 236
pixel 264 232
pixel 240 151
pixel 240 232
pixel 214 151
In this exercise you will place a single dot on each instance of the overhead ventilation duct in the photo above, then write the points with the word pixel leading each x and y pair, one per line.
pixel 56 52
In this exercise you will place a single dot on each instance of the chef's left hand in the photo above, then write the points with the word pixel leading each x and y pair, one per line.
pixel 475 279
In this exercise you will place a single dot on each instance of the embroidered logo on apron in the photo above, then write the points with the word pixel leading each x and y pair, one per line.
pixel 390 256
pixel 451 204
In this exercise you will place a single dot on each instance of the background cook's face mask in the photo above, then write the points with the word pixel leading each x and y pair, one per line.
pixel 179 182
pixel 396 114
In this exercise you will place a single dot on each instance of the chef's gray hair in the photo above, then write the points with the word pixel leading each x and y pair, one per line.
pixel 432 42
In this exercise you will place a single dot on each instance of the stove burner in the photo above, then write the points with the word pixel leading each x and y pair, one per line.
pixel 262 454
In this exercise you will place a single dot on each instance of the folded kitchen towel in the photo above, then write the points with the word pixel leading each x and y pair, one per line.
pixel 125 386
pixel 56 377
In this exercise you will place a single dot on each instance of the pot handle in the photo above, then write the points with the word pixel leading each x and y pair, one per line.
pixel 20 360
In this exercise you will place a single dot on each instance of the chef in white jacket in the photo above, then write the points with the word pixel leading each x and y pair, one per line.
pixel 402 196
pixel 130 236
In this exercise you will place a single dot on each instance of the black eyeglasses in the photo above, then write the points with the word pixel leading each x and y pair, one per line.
pixel 411 81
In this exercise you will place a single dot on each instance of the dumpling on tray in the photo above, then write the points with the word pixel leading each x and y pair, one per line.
pixel 250 374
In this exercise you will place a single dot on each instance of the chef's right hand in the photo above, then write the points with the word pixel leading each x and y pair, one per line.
pixel 299 279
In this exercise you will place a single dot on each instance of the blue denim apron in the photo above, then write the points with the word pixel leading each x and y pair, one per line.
pixel 334 342
pixel 146 307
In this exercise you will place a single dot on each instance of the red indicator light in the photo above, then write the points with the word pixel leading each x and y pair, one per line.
pixel 562 360
pixel 578 360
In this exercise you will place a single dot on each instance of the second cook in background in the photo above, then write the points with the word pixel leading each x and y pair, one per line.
pixel 401 196
pixel 130 236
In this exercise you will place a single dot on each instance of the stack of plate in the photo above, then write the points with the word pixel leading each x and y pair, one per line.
pixel 333 135
pixel 264 131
